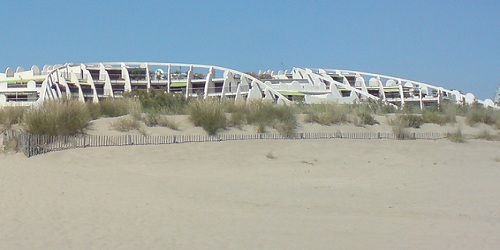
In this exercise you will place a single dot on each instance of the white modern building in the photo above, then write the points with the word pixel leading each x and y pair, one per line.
pixel 97 81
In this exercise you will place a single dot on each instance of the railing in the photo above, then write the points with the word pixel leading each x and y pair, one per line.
pixel 31 144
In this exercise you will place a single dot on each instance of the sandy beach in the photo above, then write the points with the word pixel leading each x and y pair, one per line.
pixel 265 194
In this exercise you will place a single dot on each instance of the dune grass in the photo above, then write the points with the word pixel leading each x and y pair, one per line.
pixel 113 107
pixel 407 121
pixel 401 122
pixel 156 100
pixel 214 114
pixel 121 107
pixel 477 114
pixel 263 115
pixel 363 118
pixel 10 116
pixel 438 117
pixel 125 124
pixel 486 135
pixel 116 107
pixel 61 117
pixel 270 155
pixel 285 120
pixel 152 119
pixel 332 113
pixel 327 114
pixel 456 136
pixel 208 114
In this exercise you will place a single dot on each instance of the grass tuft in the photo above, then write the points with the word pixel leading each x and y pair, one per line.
pixel 364 118
pixel 11 145
pixel 156 100
pixel 327 113
pixel 208 114
pixel 126 124
pixel 332 113
pixel 155 119
pixel 486 135
pixel 61 117
pixel 263 115
pixel 270 155
pixel 407 121
pixel 478 114
pixel 400 131
pixel 434 116
pixel 116 107
pixel 456 136
pixel 10 116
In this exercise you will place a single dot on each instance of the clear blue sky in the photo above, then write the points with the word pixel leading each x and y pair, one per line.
pixel 454 44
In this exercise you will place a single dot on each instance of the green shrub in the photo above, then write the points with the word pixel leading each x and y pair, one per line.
pixel 61 117
pixel 209 114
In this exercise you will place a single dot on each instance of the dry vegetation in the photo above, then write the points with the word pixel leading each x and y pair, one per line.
pixel 330 114
pixel 63 117
pixel 146 109
pixel 456 136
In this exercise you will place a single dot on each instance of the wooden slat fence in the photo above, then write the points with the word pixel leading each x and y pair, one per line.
pixel 31 144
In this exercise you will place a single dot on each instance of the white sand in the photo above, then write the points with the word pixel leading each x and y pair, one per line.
pixel 315 194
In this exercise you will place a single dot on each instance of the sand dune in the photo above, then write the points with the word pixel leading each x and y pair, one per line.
pixel 311 194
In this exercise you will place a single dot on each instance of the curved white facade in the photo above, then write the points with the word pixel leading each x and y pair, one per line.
pixel 348 86
pixel 97 81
